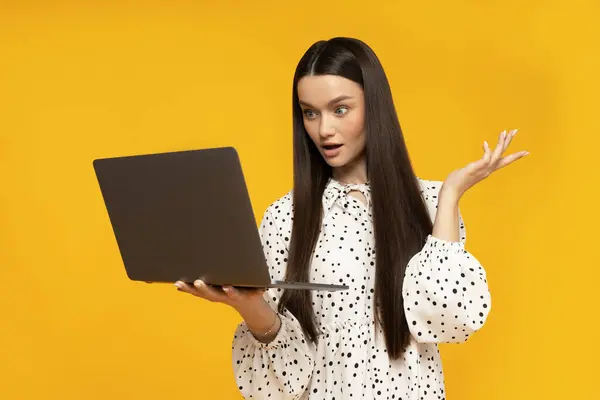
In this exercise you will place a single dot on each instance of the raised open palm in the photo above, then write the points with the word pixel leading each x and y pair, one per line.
pixel 464 178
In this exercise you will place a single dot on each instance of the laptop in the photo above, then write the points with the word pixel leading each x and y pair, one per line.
pixel 187 215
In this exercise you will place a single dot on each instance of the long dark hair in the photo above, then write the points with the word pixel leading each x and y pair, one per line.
pixel 400 217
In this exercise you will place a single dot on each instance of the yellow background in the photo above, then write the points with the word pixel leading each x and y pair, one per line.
pixel 81 80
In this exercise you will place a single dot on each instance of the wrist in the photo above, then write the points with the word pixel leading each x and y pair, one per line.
pixel 260 319
pixel 258 316
pixel 449 195
pixel 254 310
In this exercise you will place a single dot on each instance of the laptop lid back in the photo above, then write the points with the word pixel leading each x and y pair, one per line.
pixel 183 216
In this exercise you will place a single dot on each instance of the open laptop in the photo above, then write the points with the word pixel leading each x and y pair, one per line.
pixel 187 215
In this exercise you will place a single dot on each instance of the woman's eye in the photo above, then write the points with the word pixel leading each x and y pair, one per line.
pixel 341 110
pixel 309 114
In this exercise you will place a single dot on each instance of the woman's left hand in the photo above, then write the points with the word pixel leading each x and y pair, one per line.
pixel 459 181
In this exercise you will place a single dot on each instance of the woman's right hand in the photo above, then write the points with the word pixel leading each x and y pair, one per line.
pixel 260 318
pixel 239 299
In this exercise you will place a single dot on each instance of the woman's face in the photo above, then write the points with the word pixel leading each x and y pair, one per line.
pixel 334 112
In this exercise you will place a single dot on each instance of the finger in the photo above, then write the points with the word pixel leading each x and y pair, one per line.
pixel 499 147
pixel 184 287
pixel 509 139
pixel 209 293
pixel 511 158
pixel 487 153
pixel 231 292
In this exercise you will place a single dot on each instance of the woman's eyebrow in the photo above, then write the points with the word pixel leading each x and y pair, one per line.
pixel 331 102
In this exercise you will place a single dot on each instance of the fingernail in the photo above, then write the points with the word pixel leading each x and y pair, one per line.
pixel 178 286
pixel 526 153
pixel 198 283
pixel 514 132
pixel 503 134
pixel 485 143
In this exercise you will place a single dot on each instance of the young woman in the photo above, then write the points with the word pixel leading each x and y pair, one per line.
pixel 359 216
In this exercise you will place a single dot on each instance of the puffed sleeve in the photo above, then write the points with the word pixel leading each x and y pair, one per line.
pixel 283 368
pixel 445 291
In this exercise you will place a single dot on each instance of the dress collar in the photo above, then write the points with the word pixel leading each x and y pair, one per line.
pixel 337 191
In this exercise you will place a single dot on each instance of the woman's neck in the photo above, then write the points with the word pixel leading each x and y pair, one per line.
pixel 351 173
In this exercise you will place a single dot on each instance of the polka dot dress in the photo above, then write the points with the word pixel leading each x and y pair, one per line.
pixel 446 299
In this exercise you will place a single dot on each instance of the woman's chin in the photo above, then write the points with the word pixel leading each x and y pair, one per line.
pixel 341 160
pixel 335 162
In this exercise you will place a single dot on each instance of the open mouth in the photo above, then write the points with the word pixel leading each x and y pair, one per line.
pixel 332 146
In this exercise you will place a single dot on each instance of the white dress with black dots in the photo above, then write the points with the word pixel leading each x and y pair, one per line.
pixel 446 299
